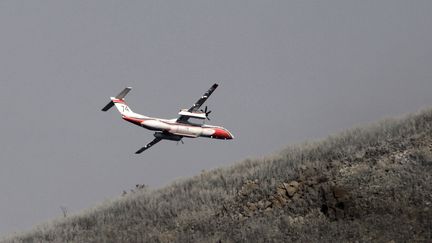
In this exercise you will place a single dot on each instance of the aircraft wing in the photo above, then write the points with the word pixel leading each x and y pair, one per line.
pixel 199 103
pixel 155 141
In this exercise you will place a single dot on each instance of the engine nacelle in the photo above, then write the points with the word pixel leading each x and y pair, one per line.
pixel 198 115
pixel 167 136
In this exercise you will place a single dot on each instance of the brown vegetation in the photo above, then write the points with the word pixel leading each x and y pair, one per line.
pixel 365 184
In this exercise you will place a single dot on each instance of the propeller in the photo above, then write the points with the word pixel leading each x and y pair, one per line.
pixel 207 112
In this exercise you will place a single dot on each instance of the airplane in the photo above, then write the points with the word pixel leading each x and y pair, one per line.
pixel 172 129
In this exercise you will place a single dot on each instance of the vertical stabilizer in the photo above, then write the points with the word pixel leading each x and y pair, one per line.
pixel 122 107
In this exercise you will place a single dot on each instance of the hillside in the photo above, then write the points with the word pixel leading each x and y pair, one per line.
pixel 366 184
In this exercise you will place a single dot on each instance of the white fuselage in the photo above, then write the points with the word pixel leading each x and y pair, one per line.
pixel 171 126
pixel 185 130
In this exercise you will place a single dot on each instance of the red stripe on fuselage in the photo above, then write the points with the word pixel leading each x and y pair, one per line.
pixel 118 101
pixel 135 121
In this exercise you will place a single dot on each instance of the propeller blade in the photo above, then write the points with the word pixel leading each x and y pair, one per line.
pixel 207 113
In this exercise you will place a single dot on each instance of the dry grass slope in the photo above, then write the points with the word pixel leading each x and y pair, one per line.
pixel 366 184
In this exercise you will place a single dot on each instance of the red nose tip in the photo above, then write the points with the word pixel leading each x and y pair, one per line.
pixel 222 134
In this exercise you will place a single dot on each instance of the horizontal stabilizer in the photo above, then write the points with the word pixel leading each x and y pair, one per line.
pixel 122 94
pixel 108 106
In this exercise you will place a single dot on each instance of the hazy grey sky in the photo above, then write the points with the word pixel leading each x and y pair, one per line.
pixel 288 71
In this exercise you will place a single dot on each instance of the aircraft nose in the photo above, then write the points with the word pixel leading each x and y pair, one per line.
pixel 222 134
pixel 230 136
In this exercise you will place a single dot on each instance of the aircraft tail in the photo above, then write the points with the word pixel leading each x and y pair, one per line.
pixel 120 103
